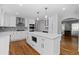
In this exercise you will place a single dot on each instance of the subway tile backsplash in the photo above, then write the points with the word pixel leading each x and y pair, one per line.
pixel 2 29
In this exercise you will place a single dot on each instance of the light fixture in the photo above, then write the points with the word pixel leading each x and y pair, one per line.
pixel 37 18
pixel 63 9
pixel 46 13
pixel 37 15
pixel 21 5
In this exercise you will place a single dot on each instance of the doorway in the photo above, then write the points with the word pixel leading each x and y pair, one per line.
pixel 70 30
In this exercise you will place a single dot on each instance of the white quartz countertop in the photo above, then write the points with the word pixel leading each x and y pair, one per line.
pixel 47 35
pixel 5 33
pixel 9 33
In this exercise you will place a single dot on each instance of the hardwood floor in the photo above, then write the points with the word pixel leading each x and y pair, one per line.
pixel 68 47
pixel 21 48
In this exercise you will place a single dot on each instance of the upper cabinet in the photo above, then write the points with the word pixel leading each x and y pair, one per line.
pixel 31 21
pixel 1 17
pixel 7 20
pixel 12 21
pixel 26 22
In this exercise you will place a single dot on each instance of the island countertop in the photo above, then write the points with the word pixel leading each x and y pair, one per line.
pixel 47 35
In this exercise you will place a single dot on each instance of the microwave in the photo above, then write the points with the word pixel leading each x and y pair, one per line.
pixel 34 39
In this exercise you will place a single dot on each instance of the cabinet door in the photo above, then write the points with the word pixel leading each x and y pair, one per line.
pixel 19 35
pixel 26 23
pixel 31 21
pixel 51 46
pixel 29 39
pixel 12 21
pixel 4 45
pixel 47 46
pixel 6 20
pixel 40 45
pixel 1 19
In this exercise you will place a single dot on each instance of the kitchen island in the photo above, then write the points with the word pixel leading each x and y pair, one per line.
pixel 44 43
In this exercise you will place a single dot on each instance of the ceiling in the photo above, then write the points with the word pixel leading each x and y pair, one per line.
pixel 29 10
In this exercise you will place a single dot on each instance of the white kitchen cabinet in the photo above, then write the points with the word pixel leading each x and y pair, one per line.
pixel 18 35
pixel 26 22
pixel 29 39
pixel 49 46
pixel 4 45
pixel 12 21
pixel 31 21
pixel 42 46
pixel 9 20
pixel 46 48
pixel 1 18
pixel 6 20
pixel 45 44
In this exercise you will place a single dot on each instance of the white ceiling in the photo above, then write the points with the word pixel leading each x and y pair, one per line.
pixel 29 10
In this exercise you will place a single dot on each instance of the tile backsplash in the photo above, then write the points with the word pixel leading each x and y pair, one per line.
pixel 2 29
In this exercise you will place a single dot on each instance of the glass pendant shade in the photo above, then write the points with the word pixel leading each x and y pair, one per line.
pixel 46 13
pixel 46 16
pixel 37 18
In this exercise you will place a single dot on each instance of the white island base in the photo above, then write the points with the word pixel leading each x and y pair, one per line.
pixel 45 44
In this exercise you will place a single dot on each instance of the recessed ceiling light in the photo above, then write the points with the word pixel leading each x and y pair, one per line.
pixel 21 5
pixel 63 9
pixel 17 13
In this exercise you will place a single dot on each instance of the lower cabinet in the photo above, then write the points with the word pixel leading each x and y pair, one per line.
pixel 4 45
pixel 29 39
pixel 49 46
pixel 18 35
pixel 45 46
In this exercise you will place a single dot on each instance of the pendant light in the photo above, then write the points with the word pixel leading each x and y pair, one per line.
pixel 38 15
pixel 46 13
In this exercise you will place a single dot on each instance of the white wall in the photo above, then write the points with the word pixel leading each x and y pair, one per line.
pixel 64 15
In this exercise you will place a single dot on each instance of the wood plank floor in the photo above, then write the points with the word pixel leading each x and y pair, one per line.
pixel 68 47
pixel 21 48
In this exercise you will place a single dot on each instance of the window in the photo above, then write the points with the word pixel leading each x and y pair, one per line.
pixel 75 26
pixel 75 29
